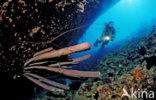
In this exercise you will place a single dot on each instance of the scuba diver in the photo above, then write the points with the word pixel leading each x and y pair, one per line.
pixel 107 35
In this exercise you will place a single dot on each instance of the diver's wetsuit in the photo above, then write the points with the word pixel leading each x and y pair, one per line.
pixel 108 32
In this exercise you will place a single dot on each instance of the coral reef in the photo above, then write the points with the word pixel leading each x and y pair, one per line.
pixel 118 71
pixel 139 78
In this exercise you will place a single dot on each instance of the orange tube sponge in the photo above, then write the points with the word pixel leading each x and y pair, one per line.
pixel 50 88
pixel 73 73
pixel 61 52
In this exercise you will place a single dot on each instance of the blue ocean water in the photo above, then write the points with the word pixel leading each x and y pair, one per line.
pixel 129 16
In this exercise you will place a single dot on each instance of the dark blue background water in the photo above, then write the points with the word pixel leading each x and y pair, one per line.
pixel 131 18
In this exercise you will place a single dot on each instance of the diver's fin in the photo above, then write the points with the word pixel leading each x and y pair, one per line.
pixel 103 45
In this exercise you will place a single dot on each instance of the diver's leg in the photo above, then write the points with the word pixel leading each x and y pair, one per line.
pixel 104 43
